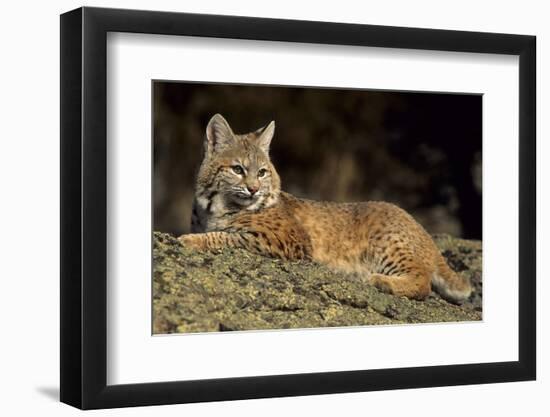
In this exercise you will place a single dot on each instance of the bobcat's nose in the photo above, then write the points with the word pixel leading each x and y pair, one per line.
pixel 251 189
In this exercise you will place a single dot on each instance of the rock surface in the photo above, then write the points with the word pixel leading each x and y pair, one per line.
pixel 237 290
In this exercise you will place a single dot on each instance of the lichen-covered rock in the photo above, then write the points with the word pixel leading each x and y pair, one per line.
pixel 237 290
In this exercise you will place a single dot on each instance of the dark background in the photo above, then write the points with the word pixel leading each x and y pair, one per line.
pixel 421 151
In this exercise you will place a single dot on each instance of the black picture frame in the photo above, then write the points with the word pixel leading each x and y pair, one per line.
pixel 84 207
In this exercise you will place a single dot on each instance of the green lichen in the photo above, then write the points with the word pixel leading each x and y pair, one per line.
pixel 236 290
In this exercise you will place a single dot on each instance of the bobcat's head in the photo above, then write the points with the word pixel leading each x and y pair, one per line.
pixel 236 172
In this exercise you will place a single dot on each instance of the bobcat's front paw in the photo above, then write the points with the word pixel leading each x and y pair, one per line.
pixel 191 241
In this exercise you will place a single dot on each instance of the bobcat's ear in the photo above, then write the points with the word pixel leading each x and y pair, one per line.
pixel 219 135
pixel 265 134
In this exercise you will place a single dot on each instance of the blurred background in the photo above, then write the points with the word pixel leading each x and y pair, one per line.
pixel 421 151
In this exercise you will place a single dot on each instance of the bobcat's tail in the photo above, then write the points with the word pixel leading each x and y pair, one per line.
pixel 451 286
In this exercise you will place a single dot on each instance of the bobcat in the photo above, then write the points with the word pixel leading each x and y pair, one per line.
pixel 239 203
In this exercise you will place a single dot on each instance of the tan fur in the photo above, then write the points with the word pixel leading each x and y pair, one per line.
pixel 377 240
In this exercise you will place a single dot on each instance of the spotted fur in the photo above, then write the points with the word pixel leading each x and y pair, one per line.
pixel 239 203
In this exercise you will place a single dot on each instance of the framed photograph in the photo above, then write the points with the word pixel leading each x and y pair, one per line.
pixel 257 208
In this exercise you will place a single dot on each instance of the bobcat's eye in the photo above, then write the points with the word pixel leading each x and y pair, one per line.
pixel 237 169
pixel 262 172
